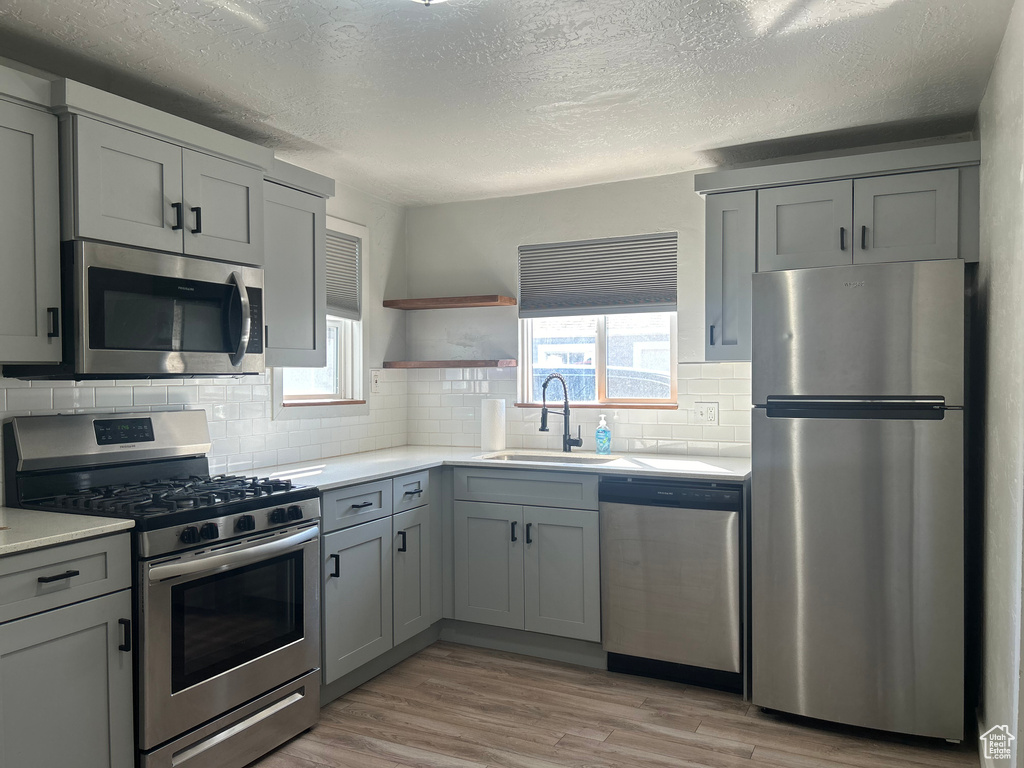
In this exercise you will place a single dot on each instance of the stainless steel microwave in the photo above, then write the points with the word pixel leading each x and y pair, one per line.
pixel 130 313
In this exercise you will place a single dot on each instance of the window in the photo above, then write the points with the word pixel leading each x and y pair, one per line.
pixel 621 358
pixel 341 381
pixel 602 314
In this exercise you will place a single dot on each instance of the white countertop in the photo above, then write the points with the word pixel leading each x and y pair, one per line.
pixel 25 529
pixel 354 468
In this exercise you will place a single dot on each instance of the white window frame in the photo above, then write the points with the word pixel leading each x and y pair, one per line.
pixel 528 398
pixel 358 375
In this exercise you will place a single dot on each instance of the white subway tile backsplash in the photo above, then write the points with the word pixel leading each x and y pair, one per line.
pixel 108 397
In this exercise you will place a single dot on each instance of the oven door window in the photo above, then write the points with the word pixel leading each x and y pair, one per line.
pixel 136 311
pixel 222 621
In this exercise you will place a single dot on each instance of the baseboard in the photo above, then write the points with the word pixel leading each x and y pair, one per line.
pixel 570 651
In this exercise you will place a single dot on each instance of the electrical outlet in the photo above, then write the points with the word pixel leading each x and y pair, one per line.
pixel 706 413
pixel 375 382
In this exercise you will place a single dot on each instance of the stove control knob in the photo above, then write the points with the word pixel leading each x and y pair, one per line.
pixel 209 531
pixel 278 516
pixel 190 535
pixel 294 512
pixel 246 523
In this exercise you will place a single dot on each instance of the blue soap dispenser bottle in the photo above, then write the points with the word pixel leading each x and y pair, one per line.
pixel 603 437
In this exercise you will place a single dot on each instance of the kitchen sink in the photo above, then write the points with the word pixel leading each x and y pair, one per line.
pixel 549 458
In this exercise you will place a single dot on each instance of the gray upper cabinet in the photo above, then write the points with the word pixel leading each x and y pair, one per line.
pixel 126 187
pixel 806 225
pixel 489 563
pixel 730 260
pixel 357 615
pixel 562 572
pixel 296 298
pixel 30 232
pixel 133 189
pixel 906 217
pixel 412 560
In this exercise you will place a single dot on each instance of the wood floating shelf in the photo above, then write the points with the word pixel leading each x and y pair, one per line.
pixel 452 302
pixel 451 364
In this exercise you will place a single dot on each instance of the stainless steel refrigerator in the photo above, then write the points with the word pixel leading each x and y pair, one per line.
pixel 857 514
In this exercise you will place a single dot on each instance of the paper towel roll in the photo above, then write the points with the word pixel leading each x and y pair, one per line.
pixel 492 425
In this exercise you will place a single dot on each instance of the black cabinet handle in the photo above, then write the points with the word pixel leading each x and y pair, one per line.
pixel 199 221
pixel 529 540
pixel 864 238
pixel 712 335
pixel 58 577
pixel 53 313
pixel 514 531
pixel 402 548
pixel 413 493
pixel 127 644
pixel 363 505
pixel 337 566
pixel 178 223
pixel 842 238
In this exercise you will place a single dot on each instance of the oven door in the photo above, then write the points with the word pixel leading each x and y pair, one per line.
pixel 221 626
pixel 158 314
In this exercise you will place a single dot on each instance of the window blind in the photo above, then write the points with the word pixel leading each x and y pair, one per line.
pixel 343 289
pixel 596 277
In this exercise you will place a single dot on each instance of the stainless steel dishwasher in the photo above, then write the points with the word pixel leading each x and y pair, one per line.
pixel 670 573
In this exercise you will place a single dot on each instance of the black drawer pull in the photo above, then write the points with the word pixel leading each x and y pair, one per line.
pixel 178 223
pixel 337 566
pixel 58 577
pixel 127 644
pixel 363 505
pixel 864 238
pixel 514 531
pixel 54 315
pixel 402 548
pixel 413 493
pixel 529 540
pixel 199 221
pixel 712 335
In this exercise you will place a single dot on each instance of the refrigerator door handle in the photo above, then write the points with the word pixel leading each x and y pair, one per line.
pixel 789 401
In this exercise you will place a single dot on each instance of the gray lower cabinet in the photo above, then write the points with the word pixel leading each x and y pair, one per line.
pixel 907 217
pixel 730 259
pixel 412 564
pixel 489 564
pixel 805 225
pixel 30 233
pixel 526 567
pixel 357 602
pixel 295 295
pixel 66 687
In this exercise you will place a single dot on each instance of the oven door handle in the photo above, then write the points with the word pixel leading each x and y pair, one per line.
pixel 243 301
pixel 231 559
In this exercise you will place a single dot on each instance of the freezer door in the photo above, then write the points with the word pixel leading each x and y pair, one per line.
pixel 858 571
pixel 870 330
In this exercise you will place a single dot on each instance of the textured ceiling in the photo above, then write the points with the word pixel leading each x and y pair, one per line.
pixel 480 98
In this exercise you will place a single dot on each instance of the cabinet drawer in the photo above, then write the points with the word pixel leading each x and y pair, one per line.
pixel 90 568
pixel 345 507
pixel 540 489
pixel 411 491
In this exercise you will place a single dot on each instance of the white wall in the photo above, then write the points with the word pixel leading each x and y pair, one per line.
pixel 472 248
pixel 1001 293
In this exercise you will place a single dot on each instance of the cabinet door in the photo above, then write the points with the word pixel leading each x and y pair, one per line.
pixel 29 231
pixel 730 258
pixel 356 596
pixel 66 688
pixel 125 185
pixel 489 563
pixel 806 225
pixel 908 217
pixel 223 209
pixel 563 572
pixel 295 297
pixel 412 561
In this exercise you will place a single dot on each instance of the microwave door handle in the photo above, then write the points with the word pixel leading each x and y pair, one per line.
pixel 231 559
pixel 243 302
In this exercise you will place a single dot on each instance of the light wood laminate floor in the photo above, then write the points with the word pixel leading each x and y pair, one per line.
pixel 453 705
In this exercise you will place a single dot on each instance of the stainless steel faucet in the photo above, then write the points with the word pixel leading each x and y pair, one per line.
pixel 568 441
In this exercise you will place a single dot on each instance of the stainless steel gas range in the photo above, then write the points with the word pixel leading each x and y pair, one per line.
pixel 226 575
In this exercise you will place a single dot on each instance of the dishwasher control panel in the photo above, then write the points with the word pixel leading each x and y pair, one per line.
pixel 643 491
